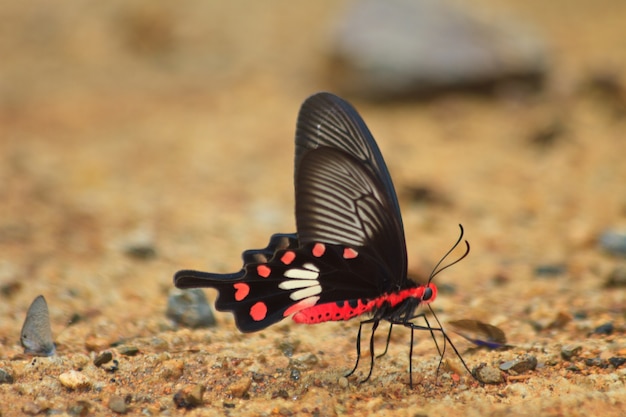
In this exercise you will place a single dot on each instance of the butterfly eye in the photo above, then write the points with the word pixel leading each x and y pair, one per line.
pixel 428 294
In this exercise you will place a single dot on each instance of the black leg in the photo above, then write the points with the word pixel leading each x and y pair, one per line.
pixel 387 344
pixel 358 349
pixel 374 327
pixel 411 360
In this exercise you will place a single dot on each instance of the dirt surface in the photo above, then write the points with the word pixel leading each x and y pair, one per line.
pixel 170 127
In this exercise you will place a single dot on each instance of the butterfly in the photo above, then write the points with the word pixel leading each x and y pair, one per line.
pixel 36 334
pixel 348 257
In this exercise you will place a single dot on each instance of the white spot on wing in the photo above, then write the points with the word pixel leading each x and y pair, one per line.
pixel 307 292
pixel 297 283
pixel 302 273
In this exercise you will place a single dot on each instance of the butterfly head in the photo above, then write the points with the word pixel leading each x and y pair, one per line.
pixel 430 293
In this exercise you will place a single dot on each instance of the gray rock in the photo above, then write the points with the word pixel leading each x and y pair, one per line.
pixel 570 351
pixel 392 48
pixel 5 377
pixel 190 308
pixel 487 374
pixel 118 405
pixel 520 365
pixel 614 242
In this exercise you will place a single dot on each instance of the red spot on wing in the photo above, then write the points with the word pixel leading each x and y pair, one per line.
pixel 258 311
pixel 263 270
pixel 318 250
pixel 349 253
pixel 288 257
pixel 241 290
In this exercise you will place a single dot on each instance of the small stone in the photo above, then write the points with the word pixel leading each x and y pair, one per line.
pixel 617 278
pixel 288 347
pixel 604 329
pixel 171 369
pixel 80 408
pixel 487 374
pixel 74 380
pixel 304 361
pixel 240 388
pixel 570 351
pixel 343 382
pixel 190 308
pixel 550 270
pixel 5 377
pixel 94 343
pixel 560 321
pixel 520 365
pixel 596 362
pixel 128 350
pixel 159 345
pixel 617 361
pixel 140 245
pixel 294 374
pixel 189 397
pixel 32 409
pixel 102 358
pixel 118 405
pixel 613 242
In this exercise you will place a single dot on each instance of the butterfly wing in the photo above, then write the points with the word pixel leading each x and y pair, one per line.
pixel 350 243
pixel 344 194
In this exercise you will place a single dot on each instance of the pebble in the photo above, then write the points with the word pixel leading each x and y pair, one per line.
pixel 190 308
pixel 560 321
pixel 117 404
pixel 172 369
pixel 189 397
pixel 5 377
pixel 617 361
pixel 570 351
pixel 613 242
pixel 239 388
pixel 94 343
pixel 395 48
pixel 74 380
pixel 487 374
pixel 304 361
pixel 80 408
pixel 596 362
pixel 140 245
pixel 102 358
pixel 550 270
pixel 128 350
pixel 604 329
pixel 519 390
pixel 32 408
pixel 520 365
pixel 617 278
pixel 343 382
pixel 288 347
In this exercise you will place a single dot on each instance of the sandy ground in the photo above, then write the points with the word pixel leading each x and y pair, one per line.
pixel 172 127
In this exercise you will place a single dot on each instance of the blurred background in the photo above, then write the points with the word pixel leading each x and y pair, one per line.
pixel 139 138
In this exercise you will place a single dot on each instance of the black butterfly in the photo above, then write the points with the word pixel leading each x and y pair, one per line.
pixel 349 254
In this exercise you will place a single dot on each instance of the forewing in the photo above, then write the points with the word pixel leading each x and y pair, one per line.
pixel 344 194
pixel 326 120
